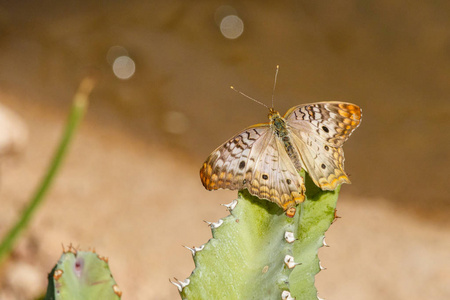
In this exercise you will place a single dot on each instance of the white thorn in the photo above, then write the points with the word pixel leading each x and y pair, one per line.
pixel 231 205
pixel 286 295
pixel 180 288
pixel 214 225
pixel 325 243
pixel 180 284
pixel 289 237
pixel 199 248
pixel 184 282
pixel 320 266
pixel 191 249
pixel 217 224
pixel 289 261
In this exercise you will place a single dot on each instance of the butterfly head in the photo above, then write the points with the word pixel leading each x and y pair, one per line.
pixel 273 115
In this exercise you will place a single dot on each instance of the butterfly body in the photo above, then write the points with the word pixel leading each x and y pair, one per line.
pixel 266 158
pixel 278 124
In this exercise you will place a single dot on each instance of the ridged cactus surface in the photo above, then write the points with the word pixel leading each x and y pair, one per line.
pixel 82 275
pixel 257 252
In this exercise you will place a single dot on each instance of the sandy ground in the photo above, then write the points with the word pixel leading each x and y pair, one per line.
pixel 137 204
pixel 130 185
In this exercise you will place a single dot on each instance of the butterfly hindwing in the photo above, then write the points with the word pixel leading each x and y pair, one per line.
pixel 326 167
pixel 274 176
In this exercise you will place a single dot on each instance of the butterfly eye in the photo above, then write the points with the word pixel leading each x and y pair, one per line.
pixel 288 181
pixel 323 166
pixel 265 176
pixel 325 128
pixel 242 165
pixel 327 148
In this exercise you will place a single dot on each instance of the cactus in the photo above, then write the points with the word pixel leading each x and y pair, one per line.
pixel 81 275
pixel 257 252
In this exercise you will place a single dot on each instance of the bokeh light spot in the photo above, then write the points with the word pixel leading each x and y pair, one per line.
pixel 232 27
pixel 123 67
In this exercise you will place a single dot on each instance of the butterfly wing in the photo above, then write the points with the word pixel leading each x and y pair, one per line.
pixel 254 159
pixel 319 131
pixel 275 177
pixel 226 166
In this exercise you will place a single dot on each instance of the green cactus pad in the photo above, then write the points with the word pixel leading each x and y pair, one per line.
pixel 81 275
pixel 260 253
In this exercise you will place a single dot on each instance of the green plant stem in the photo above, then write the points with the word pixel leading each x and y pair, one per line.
pixel 80 103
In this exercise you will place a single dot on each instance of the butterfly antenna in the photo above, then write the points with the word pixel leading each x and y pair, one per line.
pixel 275 83
pixel 245 95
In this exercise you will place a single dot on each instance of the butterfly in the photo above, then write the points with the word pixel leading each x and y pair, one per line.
pixel 266 158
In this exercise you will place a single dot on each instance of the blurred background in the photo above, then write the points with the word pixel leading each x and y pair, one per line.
pixel 130 185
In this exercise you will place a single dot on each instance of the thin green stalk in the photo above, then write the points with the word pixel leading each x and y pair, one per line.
pixel 80 103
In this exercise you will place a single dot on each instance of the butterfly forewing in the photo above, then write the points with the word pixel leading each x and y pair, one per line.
pixel 332 121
